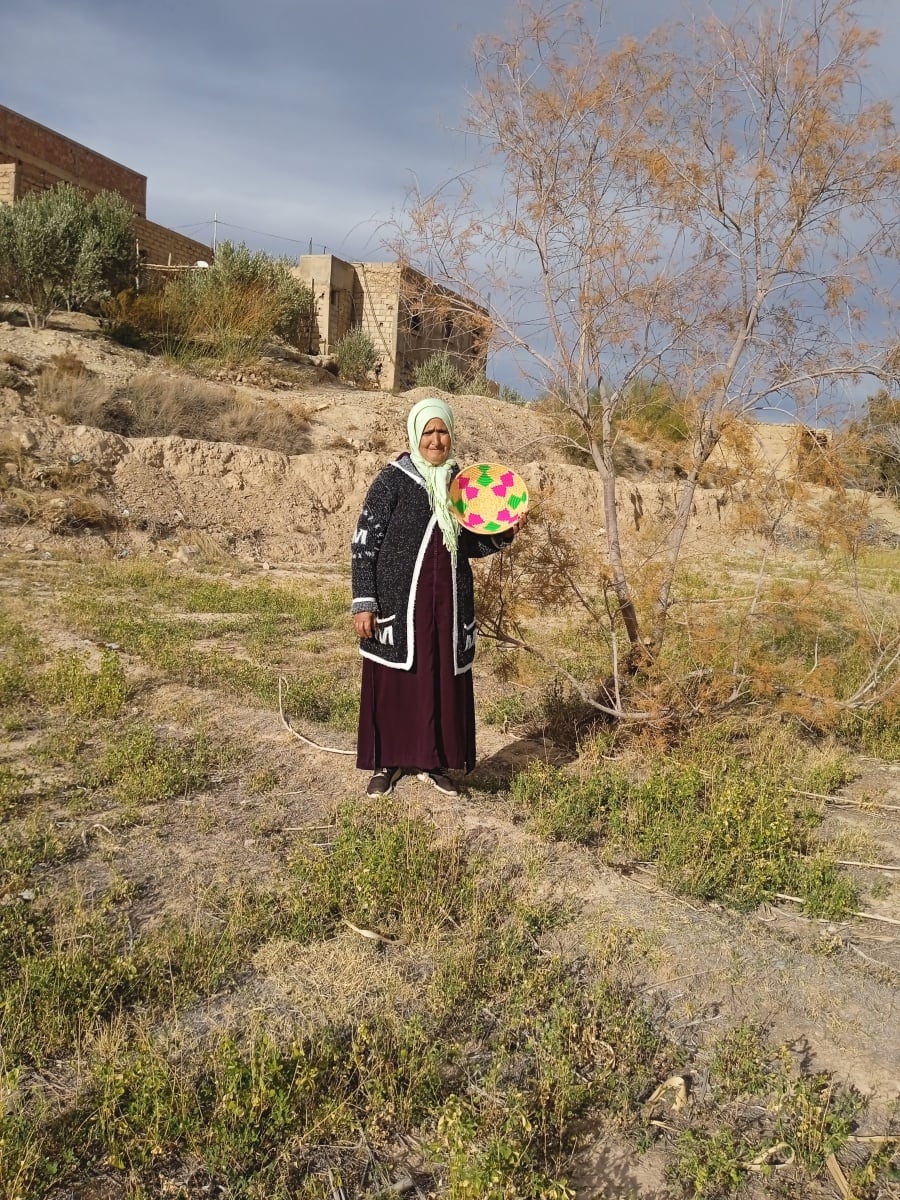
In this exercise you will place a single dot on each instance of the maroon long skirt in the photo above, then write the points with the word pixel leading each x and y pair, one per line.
pixel 423 718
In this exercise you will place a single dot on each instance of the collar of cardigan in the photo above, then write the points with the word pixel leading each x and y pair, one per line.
pixel 405 464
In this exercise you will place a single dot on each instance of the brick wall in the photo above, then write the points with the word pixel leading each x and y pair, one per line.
pixel 166 247
pixel 376 302
pixel 47 158
pixel 8 174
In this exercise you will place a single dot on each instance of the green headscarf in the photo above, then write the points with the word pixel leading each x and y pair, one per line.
pixel 437 479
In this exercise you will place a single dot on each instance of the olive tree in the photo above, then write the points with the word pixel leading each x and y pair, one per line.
pixel 62 247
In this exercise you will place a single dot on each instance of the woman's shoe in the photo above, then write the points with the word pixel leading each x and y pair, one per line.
pixel 382 782
pixel 442 782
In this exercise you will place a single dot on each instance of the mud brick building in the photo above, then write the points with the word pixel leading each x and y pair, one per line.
pixel 33 158
pixel 407 315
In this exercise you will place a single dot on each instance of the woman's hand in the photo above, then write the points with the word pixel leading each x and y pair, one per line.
pixel 364 624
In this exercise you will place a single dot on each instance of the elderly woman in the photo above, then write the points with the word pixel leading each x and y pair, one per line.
pixel 414 612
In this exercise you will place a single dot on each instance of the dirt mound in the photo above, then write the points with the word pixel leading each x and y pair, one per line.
pixel 301 508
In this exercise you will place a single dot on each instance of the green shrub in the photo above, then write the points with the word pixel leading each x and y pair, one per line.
pixel 509 395
pixel 227 312
pixel 62 247
pixel 440 371
pixel 652 411
pixel 244 299
pixel 356 356
pixel 876 442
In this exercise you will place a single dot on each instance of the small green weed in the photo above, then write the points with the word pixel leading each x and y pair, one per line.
pixel 828 775
pixel 15 689
pixel 20 653
pixel 708 1165
pixel 311 611
pixel 740 1064
pixel 384 872
pixel 84 693
pixel 816 1117
pixel 262 782
pixel 824 889
pixel 18 642
pixel 62 980
pixel 736 835
pixel 507 710
pixel 138 766
pixel 875 732
pixel 13 786
pixel 324 699
pixel 22 851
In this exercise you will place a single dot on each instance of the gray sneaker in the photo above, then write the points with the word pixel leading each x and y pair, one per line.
pixel 382 782
pixel 438 779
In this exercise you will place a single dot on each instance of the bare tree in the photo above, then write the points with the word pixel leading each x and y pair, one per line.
pixel 717 204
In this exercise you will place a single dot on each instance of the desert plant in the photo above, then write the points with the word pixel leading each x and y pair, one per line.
pixel 736 834
pixel 61 247
pixel 77 398
pixel 158 405
pixel 106 253
pixel 227 312
pixel 172 405
pixel 877 439
pixel 690 252
pixel 239 303
pixel 652 411
pixel 356 356
pixel 84 693
pixel 439 371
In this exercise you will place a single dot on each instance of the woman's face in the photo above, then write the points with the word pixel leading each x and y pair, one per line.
pixel 434 444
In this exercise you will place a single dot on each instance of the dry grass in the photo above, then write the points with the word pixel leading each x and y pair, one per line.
pixel 76 398
pixel 159 405
pixel 62 497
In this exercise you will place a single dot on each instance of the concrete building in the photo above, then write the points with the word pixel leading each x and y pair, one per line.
pixel 34 158
pixel 407 315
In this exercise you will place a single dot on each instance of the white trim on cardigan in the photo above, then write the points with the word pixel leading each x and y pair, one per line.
pixel 411 610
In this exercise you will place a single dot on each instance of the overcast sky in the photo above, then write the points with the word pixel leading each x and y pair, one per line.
pixel 305 119
pixel 302 118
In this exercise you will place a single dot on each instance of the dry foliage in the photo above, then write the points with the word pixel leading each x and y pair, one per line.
pixel 676 208
pixel 161 405
pixel 78 399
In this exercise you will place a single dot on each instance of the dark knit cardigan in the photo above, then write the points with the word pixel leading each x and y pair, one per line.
pixel 388 547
